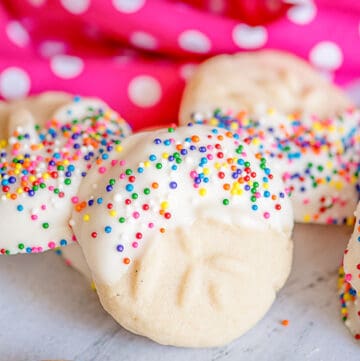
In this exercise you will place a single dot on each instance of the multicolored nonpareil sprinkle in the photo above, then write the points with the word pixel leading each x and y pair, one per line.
pixel 352 254
pixel 319 159
pixel 41 168
pixel 350 307
pixel 170 178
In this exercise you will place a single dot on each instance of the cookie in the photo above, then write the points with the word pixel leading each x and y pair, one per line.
pixel 44 157
pixel 352 255
pixel 350 305
pixel 187 234
pixel 256 81
pixel 317 158
pixel 41 107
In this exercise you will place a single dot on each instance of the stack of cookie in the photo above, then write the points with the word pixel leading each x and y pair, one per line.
pixel 186 231
pixel 174 223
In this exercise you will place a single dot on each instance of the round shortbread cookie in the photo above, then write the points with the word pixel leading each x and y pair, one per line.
pixel 318 159
pixel 257 81
pixel 41 106
pixel 187 234
pixel 48 144
pixel 352 254
pixel 350 305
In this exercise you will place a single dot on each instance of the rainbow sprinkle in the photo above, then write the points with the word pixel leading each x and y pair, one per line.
pixel 37 175
pixel 347 297
pixel 159 184
pixel 351 254
pixel 318 158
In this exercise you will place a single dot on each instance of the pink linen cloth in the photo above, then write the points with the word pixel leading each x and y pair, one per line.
pixel 137 54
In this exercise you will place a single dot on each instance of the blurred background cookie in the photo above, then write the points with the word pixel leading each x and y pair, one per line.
pixel 257 81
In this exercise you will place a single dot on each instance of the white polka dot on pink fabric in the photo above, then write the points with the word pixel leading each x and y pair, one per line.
pixel 144 91
pixel 14 83
pixel 143 40
pixel 66 66
pixel 50 48
pixel 17 33
pixel 326 55
pixel 194 41
pixel 249 37
pixel 128 6
pixel 302 14
pixel 187 70
pixel 76 6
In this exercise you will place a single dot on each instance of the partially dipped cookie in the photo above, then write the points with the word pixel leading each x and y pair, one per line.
pixel 352 255
pixel 318 158
pixel 350 305
pixel 43 161
pixel 187 234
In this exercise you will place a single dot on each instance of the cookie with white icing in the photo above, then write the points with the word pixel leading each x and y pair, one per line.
pixel 43 158
pixel 258 80
pixel 187 234
pixel 350 305
pixel 352 255
pixel 318 158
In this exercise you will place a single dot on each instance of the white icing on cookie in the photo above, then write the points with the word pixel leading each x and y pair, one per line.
pixel 350 305
pixel 352 254
pixel 187 234
pixel 317 158
pixel 167 179
pixel 41 168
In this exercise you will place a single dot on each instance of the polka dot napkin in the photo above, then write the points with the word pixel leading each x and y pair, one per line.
pixel 137 54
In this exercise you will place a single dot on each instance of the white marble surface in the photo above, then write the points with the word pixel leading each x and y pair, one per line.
pixel 47 311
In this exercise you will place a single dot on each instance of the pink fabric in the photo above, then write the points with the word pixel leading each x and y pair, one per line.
pixel 137 54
